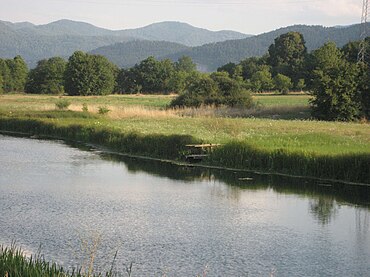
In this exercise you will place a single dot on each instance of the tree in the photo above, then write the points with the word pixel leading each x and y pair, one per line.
pixel 300 85
pixel 282 83
pixel 216 89
pixel 229 68
pixel 186 64
pixel 1 84
pixel 230 91
pixel 335 84
pixel 251 65
pixel 262 81
pixel 14 74
pixel 89 75
pixel 201 90
pixel 47 77
pixel 351 49
pixel 287 55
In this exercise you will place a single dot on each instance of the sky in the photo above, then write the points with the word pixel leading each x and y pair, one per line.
pixel 247 16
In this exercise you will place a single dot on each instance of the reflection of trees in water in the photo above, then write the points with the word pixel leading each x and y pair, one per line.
pixel 362 225
pixel 323 199
pixel 324 209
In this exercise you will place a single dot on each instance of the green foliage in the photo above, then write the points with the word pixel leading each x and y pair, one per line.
pixel 89 75
pixel 1 84
pixel 62 104
pixel 217 89
pixel 287 55
pixel 334 85
pixel 351 50
pixel 282 83
pixel 202 90
pixel 150 76
pixel 300 84
pixel 85 108
pixel 14 74
pixel 262 81
pixel 185 64
pixel 103 110
pixel 231 92
pixel 47 77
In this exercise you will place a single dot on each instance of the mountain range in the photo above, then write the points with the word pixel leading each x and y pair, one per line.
pixel 172 40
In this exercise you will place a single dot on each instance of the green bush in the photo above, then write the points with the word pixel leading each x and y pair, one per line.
pixel 85 109
pixel 62 104
pixel 103 110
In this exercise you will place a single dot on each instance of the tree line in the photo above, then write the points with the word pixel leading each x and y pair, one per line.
pixel 339 85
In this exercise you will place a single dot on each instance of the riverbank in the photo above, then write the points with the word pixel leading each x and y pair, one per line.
pixel 300 148
pixel 141 125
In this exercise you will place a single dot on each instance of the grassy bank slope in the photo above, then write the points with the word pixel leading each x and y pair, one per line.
pixel 309 148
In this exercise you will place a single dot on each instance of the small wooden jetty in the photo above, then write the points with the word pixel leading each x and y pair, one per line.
pixel 197 152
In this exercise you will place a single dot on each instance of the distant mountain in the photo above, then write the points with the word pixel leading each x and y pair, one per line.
pixel 210 56
pixel 181 33
pixel 129 53
pixel 33 45
pixel 63 37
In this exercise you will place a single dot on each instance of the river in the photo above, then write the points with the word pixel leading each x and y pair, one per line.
pixel 169 220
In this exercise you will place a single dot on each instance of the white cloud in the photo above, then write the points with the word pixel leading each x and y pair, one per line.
pixel 338 8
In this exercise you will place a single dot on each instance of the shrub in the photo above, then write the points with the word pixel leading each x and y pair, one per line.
pixel 62 104
pixel 85 109
pixel 103 110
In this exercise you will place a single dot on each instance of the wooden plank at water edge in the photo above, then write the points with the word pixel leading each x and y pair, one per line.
pixel 195 158
pixel 203 146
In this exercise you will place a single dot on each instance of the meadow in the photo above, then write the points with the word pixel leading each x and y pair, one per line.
pixel 260 139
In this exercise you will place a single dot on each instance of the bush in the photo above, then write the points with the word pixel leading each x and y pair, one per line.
pixel 103 110
pixel 85 109
pixel 62 104
pixel 217 89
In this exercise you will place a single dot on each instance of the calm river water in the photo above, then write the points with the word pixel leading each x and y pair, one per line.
pixel 177 221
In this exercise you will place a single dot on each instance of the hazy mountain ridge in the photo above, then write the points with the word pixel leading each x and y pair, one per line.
pixel 210 56
pixel 129 53
pixel 63 37
pixel 182 33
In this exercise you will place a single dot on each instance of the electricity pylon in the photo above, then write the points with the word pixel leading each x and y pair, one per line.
pixel 365 13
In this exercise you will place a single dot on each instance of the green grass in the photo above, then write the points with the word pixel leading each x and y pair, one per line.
pixel 323 149
pixel 14 263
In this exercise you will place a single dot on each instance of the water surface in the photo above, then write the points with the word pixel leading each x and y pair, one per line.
pixel 177 221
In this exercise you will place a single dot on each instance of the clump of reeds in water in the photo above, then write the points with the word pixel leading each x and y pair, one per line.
pixel 15 263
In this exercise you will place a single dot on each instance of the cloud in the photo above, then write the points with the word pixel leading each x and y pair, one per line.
pixel 338 8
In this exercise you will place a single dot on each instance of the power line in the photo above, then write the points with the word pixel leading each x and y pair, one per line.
pixel 363 45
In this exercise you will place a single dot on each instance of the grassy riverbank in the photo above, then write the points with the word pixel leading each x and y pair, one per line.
pixel 330 150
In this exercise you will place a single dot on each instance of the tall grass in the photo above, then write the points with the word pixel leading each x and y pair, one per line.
pixel 352 167
pixel 14 263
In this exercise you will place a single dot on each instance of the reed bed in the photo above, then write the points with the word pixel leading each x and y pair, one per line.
pixel 348 166
pixel 15 263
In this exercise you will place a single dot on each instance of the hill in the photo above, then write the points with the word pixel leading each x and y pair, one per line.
pixel 63 37
pixel 181 33
pixel 210 56
pixel 129 53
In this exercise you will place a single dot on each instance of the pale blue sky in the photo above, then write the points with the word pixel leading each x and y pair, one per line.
pixel 248 16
